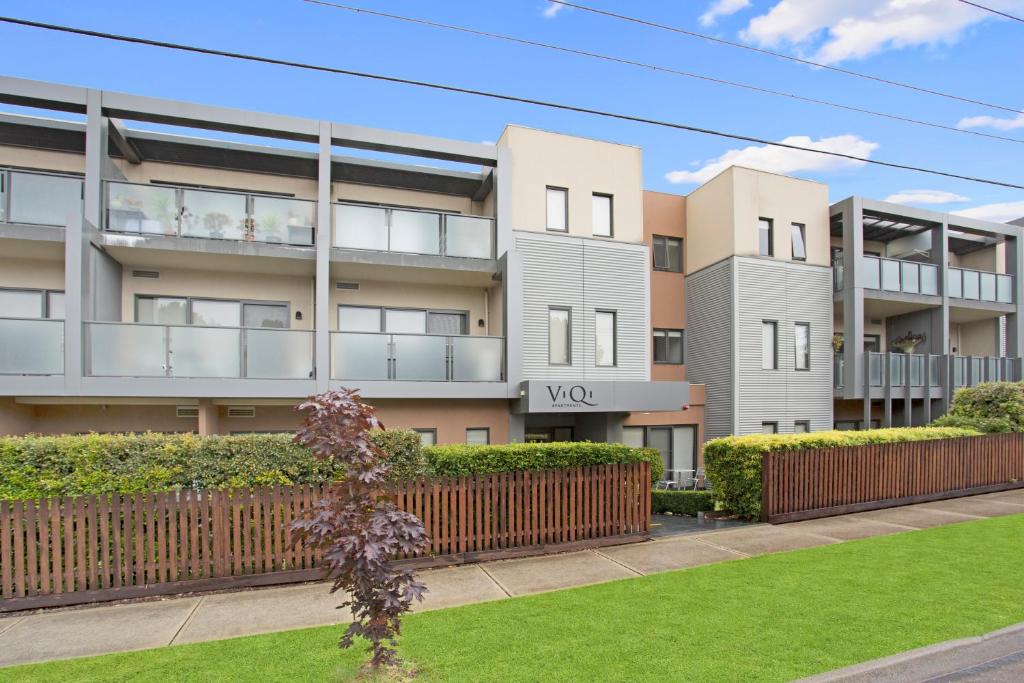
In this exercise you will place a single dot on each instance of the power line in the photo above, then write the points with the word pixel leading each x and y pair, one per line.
pixel 656 67
pixel 493 95
pixel 781 55
pixel 993 11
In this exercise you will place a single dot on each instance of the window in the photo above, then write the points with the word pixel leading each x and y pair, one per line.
pixel 161 310
pixel 602 214
pixel 633 436
pixel 401 320
pixel 846 425
pixel 559 336
pixel 801 426
pixel 766 237
pixel 677 445
pixel 55 305
pixel 604 338
pixel 799 242
pixel 478 436
pixel 358 319
pixel 216 313
pixel 428 437
pixel 769 427
pixel 32 303
pixel 802 346
pixel 558 209
pixel 769 345
pixel 668 346
pixel 668 254
pixel 169 310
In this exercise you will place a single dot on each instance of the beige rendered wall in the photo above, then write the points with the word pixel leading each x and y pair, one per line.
pixel 302 188
pixel 419 295
pixel 31 274
pixel 372 194
pixel 979 338
pixel 541 158
pixel 710 221
pixel 665 214
pixel 296 290
pixel 42 160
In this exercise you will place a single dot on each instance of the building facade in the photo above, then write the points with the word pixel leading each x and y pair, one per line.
pixel 527 290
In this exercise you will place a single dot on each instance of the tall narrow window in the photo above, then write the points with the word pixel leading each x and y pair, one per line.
pixel 766 237
pixel 668 346
pixel 604 342
pixel 559 336
pixel 769 345
pixel 802 346
pixel 558 209
pixel 668 253
pixel 799 242
pixel 602 214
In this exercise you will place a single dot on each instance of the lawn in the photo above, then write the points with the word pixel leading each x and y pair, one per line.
pixel 772 618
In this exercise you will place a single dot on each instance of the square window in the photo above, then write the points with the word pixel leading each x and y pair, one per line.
pixel 801 426
pixel 769 427
pixel 668 253
pixel 428 437
pixel 668 346
pixel 478 436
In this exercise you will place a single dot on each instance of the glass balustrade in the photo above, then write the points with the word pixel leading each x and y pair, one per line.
pixel 980 286
pixel 138 350
pixel 916 371
pixel 377 228
pixel 30 346
pixel 934 376
pixel 39 198
pixel 838 365
pixel 875 369
pixel 892 275
pixel 188 212
pixel 416 357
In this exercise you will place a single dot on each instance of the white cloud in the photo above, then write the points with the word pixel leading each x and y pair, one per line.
pixel 926 197
pixel 722 8
pixel 999 213
pixel 992 122
pixel 782 160
pixel 551 10
pixel 836 30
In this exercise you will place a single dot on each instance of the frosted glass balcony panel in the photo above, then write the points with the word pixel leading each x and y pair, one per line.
pixel 929 279
pixel 890 275
pixel 31 347
pixel 971 284
pixel 288 221
pixel 145 209
pixel 360 356
pixel 988 286
pixel 468 236
pixel 220 215
pixel 279 354
pixel 955 285
pixel 476 359
pixel 1004 289
pixel 41 199
pixel 420 357
pixel 360 227
pixel 205 352
pixel 872 275
pixel 126 350
pixel 415 232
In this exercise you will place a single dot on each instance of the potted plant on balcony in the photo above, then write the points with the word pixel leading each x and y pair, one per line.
pixel 837 343
pixel 215 222
pixel 270 228
pixel 907 342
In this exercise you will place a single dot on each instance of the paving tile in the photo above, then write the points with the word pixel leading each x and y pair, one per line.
pixel 1015 496
pixel 227 615
pixel 94 630
pixel 976 506
pixel 846 528
pixel 915 516
pixel 451 586
pixel 8 622
pixel 537 574
pixel 764 539
pixel 667 554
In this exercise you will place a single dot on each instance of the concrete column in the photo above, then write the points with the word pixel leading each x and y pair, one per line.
pixel 887 384
pixel 926 409
pixel 908 402
pixel 516 427
pixel 322 283
pixel 513 288
pixel 209 422
pixel 938 335
pixel 615 421
pixel 1015 321
pixel 853 298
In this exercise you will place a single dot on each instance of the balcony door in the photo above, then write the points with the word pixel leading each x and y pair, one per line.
pixel 181 311
pixel 402 321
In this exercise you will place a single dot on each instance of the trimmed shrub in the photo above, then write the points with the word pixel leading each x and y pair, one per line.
pixel 988 407
pixel 733 463
pixel 456 460
pixel 682 502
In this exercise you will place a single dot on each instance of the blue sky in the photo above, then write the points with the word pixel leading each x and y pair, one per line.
pixel 941 44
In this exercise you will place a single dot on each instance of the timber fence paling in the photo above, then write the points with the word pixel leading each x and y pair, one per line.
pixel 87 548
pixel 805 484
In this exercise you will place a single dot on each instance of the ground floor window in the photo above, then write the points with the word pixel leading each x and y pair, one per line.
pixel 853 425
pixel 801 426
pixel 549 434
pixel 428 437
pixel 478 436
pixel 676 443
pixel 769 427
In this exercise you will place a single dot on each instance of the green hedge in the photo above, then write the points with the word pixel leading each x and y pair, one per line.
pixel 456 460
pixel 45 466
pixel 988 407
pixel 682 502
pixel 733 463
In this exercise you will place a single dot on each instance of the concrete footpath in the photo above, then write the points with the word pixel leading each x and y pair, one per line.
pixel 93 630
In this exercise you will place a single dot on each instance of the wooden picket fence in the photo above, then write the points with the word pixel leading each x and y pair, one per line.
pixel 62 551
pixel 822 482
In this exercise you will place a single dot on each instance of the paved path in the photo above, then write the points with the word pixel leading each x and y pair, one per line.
pixel 75 632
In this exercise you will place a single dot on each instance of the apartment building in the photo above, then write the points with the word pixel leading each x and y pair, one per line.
pixel 173 282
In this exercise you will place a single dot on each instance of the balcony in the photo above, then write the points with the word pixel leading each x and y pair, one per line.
pixel 923 372
pixel 31 346
pixel 976 285
pixel 33 198
pixel 894 275
pixel 143 350
pixel 375 356
pixel 187 212
pixel 412 231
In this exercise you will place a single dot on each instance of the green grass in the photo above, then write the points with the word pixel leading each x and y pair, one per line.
pixel 772 618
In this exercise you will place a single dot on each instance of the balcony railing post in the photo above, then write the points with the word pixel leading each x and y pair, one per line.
pixel 168 353
pixel 243 360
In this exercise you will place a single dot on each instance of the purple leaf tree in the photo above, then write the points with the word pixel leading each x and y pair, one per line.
pixel 358 528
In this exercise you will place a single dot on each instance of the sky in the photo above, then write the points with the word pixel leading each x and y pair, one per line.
pixel 939 44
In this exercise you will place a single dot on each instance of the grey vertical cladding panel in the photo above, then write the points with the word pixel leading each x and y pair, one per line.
pixel 584 275
pixel 788 293
pixel 709 343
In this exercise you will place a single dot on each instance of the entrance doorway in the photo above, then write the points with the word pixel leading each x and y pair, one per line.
pixel 549 434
